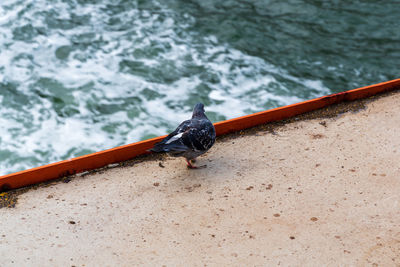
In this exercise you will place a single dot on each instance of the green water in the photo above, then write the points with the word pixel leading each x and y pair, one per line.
pixel 81 76
pixel 343 44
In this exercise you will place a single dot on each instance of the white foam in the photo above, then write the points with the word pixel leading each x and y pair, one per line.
pixel 37 134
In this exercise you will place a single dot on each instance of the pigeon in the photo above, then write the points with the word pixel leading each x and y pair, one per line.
pixel 191 139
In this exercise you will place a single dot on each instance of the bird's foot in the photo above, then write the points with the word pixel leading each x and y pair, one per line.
pixel 191 166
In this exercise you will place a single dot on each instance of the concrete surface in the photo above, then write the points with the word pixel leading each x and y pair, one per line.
pixel 310 193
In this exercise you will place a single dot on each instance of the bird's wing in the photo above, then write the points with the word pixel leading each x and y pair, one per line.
pixel 194 134
pixel 200 136
pixel 173 141
pixel 185 125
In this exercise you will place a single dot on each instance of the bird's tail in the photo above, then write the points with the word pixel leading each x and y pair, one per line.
pixel 162 147
pixel 158 148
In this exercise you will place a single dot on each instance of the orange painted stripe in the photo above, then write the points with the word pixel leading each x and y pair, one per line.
pixel 126 152
pixel 288 111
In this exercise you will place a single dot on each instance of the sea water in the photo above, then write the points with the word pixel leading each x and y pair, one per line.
pixel 79 76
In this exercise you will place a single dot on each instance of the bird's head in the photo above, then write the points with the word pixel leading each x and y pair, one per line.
pixel 198 110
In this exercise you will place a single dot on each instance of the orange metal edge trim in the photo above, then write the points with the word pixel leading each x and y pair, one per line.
pixel 126 152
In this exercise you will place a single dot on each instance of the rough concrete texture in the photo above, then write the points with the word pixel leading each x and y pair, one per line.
pixel 314 192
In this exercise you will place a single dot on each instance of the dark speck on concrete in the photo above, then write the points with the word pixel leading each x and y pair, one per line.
pixel 66 179
pixel 323 123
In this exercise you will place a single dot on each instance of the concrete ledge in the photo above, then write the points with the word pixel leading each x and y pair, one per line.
pixel 314 191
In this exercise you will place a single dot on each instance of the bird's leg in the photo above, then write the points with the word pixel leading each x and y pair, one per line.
pixel 191 166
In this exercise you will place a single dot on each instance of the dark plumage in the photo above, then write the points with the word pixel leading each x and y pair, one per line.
pixel 191 139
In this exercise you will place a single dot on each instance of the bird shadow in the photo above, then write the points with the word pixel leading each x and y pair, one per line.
pixel 217 170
